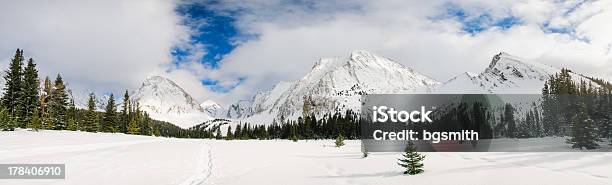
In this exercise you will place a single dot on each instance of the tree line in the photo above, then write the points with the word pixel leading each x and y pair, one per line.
pixel 327 127
pixel 580 110
pixel 26 103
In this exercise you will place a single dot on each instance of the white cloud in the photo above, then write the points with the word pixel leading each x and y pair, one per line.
pixel 291 38
pixel 104 45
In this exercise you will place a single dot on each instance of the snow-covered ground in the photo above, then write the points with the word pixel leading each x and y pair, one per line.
pixel 318 162
pixel 103 158
pixel 122 159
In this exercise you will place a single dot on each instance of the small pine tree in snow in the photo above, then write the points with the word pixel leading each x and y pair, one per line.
pixel 7 122
pixel 35 122
pixel 133 127
pixel 412 161
pixel 339 141
pixel 72 125
pixel 294 138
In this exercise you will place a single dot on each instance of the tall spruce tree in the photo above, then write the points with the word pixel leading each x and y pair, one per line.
pixel 30 89
pixel 134 126
pixel 91 117
pixel 509 121
pixel 11 100
pixel 145 124
pixel 125 112
pixel 229 136
pixel 109 120
pixel 412 161
pixel 58 106
pixel 73 122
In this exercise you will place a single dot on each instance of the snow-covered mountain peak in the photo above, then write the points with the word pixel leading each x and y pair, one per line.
pixel 165 100
pixel 362 55
pixel 209 103
pixel 335 85
pixel 159 81
pixel 506 66
pixel 505 74
pixel 211 107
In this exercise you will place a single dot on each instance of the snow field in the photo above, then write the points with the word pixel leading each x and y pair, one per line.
pixel 318 162
pixel 103 158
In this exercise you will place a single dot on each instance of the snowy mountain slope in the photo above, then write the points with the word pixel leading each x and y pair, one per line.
pixel 164 100
pixel 240 109
pixel 211 107
pixel 506 74
pixel 336 85
pixel 261 103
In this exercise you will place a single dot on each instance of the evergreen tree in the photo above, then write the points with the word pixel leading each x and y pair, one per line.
pixel 412 161
pixel 12 98
pixel 109 120
pixel 35 122
pixel 218 134
pixel 133 127
pixel 58 105
pixel 294 138
pixel 583 130
pixel 91 119
pixel 509 121
pixel 237 132
pixel 73 124
pixel 229 136
pixel 125 119
pixel 7 122
pixel 145 124
pixel 339 141
pixel 29 89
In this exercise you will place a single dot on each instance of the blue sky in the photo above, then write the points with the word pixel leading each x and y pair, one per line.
pixel 213 30
pixel 476 22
